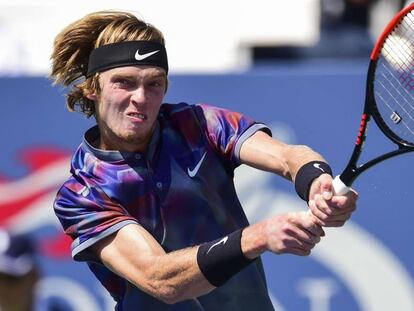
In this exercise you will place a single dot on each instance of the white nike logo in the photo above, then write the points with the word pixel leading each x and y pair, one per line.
pixel 318 166
pixel 144 56
pixel 194 171
pixel 222 241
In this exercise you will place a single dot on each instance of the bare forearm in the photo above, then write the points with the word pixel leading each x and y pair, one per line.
pixel 299 156
pixel 176 276
pixel 263 152
pixel 136 256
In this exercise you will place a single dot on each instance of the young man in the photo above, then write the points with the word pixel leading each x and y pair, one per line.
pixel 151 204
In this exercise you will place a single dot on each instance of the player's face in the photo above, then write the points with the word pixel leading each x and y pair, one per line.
pixel 128 105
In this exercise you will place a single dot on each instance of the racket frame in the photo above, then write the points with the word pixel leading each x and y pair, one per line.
pixel 343 182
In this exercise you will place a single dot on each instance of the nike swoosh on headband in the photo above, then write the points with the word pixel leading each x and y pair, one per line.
pixel 139 57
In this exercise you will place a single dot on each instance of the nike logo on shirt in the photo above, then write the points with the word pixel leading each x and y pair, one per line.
pixel 144 56
pixel 194 171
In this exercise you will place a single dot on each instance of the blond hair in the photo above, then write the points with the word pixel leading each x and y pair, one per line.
pixel 73 45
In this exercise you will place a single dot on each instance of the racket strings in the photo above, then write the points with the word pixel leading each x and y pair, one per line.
pixel 394 80
pixel 390 92
pixel 395 117
pixel 395 89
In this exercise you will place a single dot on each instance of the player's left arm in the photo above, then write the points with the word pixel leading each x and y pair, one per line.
pixel 268 154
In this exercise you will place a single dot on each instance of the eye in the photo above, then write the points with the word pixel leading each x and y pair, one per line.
pixel 123 82
pixel 157 83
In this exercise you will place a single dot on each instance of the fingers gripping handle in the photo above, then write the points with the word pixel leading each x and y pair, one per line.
pixel 339 187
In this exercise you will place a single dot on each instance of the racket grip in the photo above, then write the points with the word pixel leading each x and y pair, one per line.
pixel 339 187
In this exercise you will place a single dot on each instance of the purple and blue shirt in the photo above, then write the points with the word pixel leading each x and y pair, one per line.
pixel 180 190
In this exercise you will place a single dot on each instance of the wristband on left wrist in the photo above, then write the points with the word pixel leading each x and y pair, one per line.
pixel 221 259
pixel 307 174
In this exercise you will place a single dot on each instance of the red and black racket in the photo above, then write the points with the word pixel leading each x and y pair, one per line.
pixel 389 96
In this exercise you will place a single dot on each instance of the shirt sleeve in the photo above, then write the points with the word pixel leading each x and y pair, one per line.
pixel 228 130
pixel 88 215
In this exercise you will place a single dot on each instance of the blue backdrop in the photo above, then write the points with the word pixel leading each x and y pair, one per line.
pixel 366 265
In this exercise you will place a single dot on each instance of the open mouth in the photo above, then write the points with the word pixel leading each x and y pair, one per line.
pixel 137 115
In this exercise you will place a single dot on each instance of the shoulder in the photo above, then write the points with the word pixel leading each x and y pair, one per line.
pixel 177 114
pixel 70 191
pixel 182 107
pixel 184 111
pixel 169 109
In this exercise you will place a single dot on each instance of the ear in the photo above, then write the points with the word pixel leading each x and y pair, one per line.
pixel 91 96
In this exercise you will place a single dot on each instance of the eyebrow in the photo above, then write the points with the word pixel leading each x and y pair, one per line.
pixel 133 76
pixel 157 75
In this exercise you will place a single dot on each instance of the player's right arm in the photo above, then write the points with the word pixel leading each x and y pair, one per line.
pixel 135 255
pixel 103 232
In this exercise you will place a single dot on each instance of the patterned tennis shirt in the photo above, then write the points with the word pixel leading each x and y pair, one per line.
pixel 180 190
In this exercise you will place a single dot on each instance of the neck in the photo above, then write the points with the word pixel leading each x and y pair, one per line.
pixel 109 141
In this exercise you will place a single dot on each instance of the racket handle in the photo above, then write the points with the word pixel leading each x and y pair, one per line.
pixel 339 187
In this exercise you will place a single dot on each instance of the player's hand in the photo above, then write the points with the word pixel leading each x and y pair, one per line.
pixel 294 233
pixel 330 210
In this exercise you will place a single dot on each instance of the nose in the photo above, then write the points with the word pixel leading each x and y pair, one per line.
pixel 139 95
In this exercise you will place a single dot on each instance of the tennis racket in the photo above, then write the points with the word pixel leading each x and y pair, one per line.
pixel 389 98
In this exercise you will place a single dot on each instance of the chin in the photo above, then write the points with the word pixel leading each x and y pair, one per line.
pixel 133 137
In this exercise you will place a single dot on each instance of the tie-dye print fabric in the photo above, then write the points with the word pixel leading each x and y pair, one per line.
pixel 180 190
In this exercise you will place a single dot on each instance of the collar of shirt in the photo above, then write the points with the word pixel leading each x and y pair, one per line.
pixel 92 135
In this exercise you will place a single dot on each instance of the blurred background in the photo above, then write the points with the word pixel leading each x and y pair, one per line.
pixel 299 66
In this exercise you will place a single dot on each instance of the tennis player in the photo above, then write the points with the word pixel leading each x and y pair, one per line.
pixel 151 204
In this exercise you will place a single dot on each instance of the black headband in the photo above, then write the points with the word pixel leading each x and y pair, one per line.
pixel 127 53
